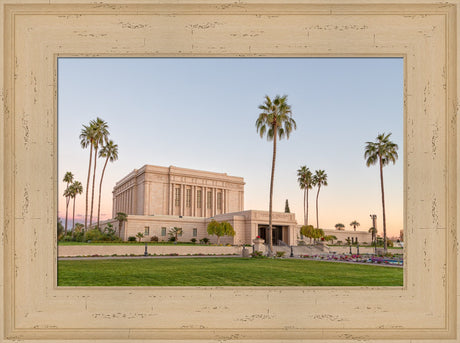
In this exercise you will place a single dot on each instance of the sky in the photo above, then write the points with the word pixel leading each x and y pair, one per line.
pixel 200 113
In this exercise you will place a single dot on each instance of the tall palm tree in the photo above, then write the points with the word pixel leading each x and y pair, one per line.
pixel 101 133
pixel 87 140
pixel 110 152
pixel 304 177
pixel 354 223
pixel 67 195
pixel 76 188
pixel 382 151
pixel 275 121
pixel 319 179
pixel 68 178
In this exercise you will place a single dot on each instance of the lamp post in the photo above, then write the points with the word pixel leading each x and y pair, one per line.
pixel 292 252
pixel 145 251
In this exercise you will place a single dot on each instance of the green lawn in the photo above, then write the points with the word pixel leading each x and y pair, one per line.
pixel 223 272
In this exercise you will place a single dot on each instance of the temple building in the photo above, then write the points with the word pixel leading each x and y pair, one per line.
pixel 154 190
pixel 157 199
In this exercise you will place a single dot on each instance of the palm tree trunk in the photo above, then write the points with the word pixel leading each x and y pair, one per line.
pixel 87 184
pixel 100 189
pixel 317 219
pixel 73 215
pixel 66 214
pixel 304 207
pixel 270 240
pixel 383 208
pixel 307 208
pixel 92 191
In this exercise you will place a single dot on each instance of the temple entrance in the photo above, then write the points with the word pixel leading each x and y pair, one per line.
pixel 277 233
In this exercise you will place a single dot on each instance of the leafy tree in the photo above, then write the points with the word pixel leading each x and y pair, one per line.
pixel 75 188
pixel 78 227
pixel 317 234
pixel 175 232
pixel 220 229
pixel 330 238
pixel 275 121
pixel 139 236
pixel 286 207
pixel 110 152
pixel 354 223
pixel 305 179
pixel 307 231
pixel 120 217
pixel 319 179
pixel 68 178
pixel 60 228
pixel 382 151
pixel 340 226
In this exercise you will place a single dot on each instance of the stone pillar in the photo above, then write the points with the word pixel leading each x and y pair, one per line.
pixel 171 200
pixel 194 201
pixel 182 199
pixel 214 201
pixel 204 199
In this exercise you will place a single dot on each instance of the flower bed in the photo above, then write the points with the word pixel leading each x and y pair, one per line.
pixel 391 260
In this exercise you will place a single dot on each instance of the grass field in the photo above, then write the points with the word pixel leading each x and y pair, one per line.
pixel 223 272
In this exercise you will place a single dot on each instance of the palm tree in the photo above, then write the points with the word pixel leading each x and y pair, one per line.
pixel 120 217
pixel 382 151
pixel 276 121
pixel 319 179
pixel 67 195
pixel 110 152
pixel 76 188
pixel 68 178
pixel 339 226
pixel 101 132
pixel 86 140
pixel 373 231
pixel 304 177
pixel 354 223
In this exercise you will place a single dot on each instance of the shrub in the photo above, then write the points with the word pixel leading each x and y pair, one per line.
pixel 193 240
pixel 280 253
pixel 154 239
pixel 131 239
pixel 257 254
pixel 171 239
pixel 204 240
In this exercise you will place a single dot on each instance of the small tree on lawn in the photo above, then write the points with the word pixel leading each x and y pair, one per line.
pixel 175 232
pixel 140 235
pixel 220 229
pixel 307 231
pixel 317 234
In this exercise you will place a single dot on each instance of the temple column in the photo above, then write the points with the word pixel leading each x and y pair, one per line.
pixel 193 201
pixel 182 197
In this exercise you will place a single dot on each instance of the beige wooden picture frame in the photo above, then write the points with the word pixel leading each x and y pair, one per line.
pixel 36 33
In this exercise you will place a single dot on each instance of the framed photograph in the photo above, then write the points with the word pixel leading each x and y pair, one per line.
pixel 36 34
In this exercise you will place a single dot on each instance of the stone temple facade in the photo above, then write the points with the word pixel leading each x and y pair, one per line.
pixel 154 190
pixel 157 199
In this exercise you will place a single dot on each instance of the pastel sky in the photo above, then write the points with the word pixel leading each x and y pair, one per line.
pixel 200 113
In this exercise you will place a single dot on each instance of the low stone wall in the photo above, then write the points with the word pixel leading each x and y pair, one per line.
pixel 108 250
